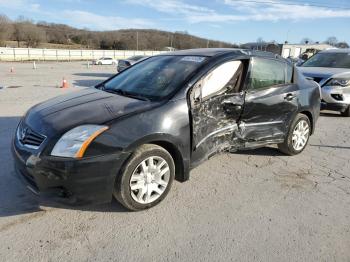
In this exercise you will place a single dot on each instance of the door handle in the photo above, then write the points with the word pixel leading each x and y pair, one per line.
pixel 289 97
pixel 230 106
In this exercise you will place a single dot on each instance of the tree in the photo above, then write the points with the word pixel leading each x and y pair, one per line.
pixel 29 33
pixel 332 40
pixel 25 30
pixel 5 28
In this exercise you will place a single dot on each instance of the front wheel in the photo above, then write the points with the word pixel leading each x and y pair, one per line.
pixel 346 112
pixel 297 137
pixel 146 178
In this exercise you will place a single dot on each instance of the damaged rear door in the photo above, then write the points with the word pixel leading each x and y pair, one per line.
pixel 216 104
pixel 271 101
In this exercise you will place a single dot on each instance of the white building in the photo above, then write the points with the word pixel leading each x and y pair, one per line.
pixel 290 50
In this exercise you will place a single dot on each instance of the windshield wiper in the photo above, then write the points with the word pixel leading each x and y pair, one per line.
pixel 126 93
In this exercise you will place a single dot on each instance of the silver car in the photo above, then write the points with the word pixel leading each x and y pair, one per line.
pixel 331 69
pixel 123 64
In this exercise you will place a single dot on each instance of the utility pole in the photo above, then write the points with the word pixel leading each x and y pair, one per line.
pixel 137 41
pixel 208 43
pixel 287 36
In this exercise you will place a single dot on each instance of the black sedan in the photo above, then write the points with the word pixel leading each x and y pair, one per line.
pixel 131 135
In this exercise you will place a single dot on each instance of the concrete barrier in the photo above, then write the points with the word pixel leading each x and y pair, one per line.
pixel 37 54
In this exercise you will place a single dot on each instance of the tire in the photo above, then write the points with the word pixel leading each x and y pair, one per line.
pixel 346 113
pixel 291 148
pixel 133 174
pixel 99 63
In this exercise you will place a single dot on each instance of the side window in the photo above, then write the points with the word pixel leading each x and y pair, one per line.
pixel 222 77
pixel 265 73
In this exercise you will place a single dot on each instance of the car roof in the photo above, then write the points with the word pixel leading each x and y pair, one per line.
pixel 337 50
pixel 212 52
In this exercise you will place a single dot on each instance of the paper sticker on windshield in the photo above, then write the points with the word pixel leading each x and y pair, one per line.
pixel 196 59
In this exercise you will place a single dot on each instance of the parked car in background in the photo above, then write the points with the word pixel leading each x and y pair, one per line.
pixel 331 69
pixel 125 63
pixel 296 61
pixel 135 132
pixel 105 61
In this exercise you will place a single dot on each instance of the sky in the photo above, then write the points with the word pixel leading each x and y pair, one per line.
pixel 234 21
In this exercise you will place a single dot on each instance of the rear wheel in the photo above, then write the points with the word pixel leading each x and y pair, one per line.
pixel 346 112
pixel 298 136
pixel 146 178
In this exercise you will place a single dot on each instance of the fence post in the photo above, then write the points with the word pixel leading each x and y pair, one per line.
pixel 69 55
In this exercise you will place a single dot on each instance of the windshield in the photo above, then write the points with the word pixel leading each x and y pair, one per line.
pixel 155 77
pixel 335 60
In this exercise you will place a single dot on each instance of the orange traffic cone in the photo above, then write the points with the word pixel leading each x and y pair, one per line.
pixel 64 83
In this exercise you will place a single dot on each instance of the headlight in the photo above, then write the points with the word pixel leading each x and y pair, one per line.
pixel 75 142
pixel 339 82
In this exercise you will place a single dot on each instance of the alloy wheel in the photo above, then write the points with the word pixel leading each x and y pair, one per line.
pixel 301 135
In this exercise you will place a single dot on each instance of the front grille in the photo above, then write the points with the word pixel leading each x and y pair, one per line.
pixel 28 137
pixel 338 97
pixel 318 79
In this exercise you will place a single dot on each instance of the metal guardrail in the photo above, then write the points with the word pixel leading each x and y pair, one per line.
pixel 38 54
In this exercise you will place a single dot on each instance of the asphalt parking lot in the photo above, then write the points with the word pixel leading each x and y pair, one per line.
pixel 249 206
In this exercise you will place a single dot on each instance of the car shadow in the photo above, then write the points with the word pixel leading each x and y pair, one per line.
pixel 15 198
pixel 330 114
pixel 87 83
pixel 105 75
pixel 263 151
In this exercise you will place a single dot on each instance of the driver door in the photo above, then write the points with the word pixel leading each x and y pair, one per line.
pixel 216 105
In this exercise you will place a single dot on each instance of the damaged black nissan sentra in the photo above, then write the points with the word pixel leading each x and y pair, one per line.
pixel 131 135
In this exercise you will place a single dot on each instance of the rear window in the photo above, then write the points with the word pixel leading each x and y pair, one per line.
pixel 135 58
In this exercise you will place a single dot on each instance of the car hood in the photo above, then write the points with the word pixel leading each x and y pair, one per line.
pixel 89 106
pixel 322 74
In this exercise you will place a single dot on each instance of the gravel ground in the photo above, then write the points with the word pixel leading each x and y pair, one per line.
pixel 251 206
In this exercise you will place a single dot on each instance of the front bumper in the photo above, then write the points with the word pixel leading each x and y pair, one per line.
pixel 335 98
pixel 334 106
pixel 69 181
